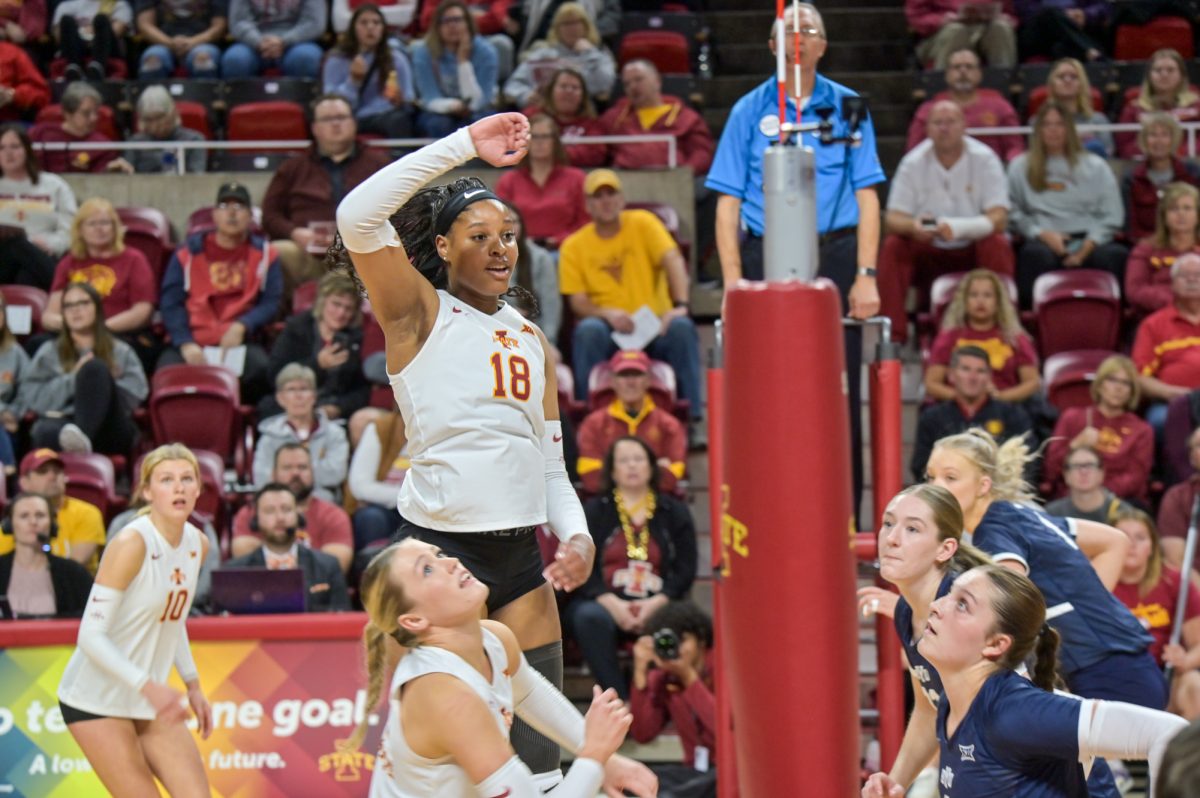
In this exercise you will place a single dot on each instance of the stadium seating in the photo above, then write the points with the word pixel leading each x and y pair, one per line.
pixel 662 388
pixel 149 231
pixel 200 406
pixel 26 296
pixel 92 478
pixel 304 296
pixel 1077 309
pixel 257 90
pixel 106 125
pixel 941 292
pixel 666 49
pixel 278 120
pixel 1138 42
pixel 1068 376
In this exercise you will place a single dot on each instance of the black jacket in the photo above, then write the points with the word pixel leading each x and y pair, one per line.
pixel 71 581
pixel 322 577
pixel 672 529
pixel 1003 419
pixel 345 385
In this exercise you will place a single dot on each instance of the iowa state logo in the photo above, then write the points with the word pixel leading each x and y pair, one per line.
pixel 346 766
pixel 505 340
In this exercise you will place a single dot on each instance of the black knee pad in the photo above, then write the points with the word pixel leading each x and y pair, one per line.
pixel 540 754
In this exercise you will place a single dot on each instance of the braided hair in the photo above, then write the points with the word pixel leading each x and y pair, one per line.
pixel 415 223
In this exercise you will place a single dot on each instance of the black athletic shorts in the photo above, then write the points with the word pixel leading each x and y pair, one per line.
pixel 72 715
pixel 508 561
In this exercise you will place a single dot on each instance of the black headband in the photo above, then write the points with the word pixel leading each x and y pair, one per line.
pixel 456 204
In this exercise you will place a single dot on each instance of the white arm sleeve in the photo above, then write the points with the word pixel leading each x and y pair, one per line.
pixel 563 510
pixel 545 709
pixel 363 216
pixel 514 780
pixel 185 666
pixel 970 228
pixel 94 641
pixel 1125 731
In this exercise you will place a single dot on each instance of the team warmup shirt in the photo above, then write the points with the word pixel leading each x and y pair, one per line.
pixel 401 773
pixel 147 629
pixel 1092 622
pixel 472 406
pixel 1016 741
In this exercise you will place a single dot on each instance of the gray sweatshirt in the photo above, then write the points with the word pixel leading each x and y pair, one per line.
pixel 328 445
pixel 14 367
pixel 291 20
pixel 1085 199
pixel 48 388
pixel 44 210
pixel 596 65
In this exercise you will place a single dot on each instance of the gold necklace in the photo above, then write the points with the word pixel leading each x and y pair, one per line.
pixel 638 549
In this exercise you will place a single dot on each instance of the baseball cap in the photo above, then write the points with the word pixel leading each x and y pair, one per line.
pixel 601 178
pixel 630 360
pixel 38 458
pixel 234 191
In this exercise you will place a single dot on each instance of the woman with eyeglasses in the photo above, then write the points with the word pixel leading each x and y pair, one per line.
pixel 456 71
pixel 85 383
pixel 1112 428
pixel 547 192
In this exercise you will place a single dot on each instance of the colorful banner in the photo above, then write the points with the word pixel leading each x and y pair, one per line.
pixel 278 708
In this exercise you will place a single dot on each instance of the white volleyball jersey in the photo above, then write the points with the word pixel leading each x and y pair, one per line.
pixel 472 406
pixel 400 773
pixel 147 628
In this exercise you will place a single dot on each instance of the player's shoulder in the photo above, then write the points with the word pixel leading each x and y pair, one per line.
pixel 512 649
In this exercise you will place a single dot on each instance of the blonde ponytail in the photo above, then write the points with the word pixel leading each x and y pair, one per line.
pixel 375 643
pixel 1003 464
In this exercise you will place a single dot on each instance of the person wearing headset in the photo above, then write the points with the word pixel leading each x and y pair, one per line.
pixel 36 582
pixel 277 521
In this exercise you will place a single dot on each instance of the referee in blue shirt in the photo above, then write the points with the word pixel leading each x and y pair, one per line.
pixel 848 216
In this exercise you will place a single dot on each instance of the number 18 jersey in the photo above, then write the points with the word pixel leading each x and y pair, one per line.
pixel 472 406
pixel 147 627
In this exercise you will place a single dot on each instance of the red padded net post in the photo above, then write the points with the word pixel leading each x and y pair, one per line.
pixel 787 601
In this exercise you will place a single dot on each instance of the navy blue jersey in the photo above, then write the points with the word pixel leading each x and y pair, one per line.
pixel 927 675
pixel 1016 741
pixel 1092 622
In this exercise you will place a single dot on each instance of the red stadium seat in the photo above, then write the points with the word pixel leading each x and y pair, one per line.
pixel 195 116
pixel 26 296
pixel 239 91
pixel 278 120
pixel 149 231
pixel 200 406
pixel 304 296
pixel 567 404
pixel 1077 309
pixel 107 124
pixel 1068 376
pixel 1138 42
pixel 92 478
pixel 1038 96
pixel 667 50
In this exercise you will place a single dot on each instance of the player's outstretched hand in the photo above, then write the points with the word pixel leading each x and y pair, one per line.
pixel 877 601
pixel 501 139
pixel 622 775
pixel 605 725
pixel 167 702
pixel 881 785
pixel 572 562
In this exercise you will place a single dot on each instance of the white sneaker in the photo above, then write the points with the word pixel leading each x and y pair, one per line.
pixel 1121 776
pixel 74 440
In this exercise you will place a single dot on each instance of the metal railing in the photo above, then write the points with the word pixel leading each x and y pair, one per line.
pixel 179 148
pixel 1189 131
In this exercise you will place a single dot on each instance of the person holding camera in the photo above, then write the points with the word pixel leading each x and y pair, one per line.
pixel 303 422
pixel 645 557
pixel 328 339
pixel 673 681
pixel 947 212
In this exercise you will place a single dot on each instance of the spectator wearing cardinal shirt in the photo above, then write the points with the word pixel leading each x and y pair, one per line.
pixel 23 90
pixel 564 98
pixel 220 288
pixel 1177 233
pixel 547 192
pixel 981 107
pixel 645 557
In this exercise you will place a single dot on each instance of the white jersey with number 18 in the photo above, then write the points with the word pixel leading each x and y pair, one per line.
pixel 147 628
pixel 472 406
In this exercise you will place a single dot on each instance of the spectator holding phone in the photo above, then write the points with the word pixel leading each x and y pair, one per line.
pixel 327 339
